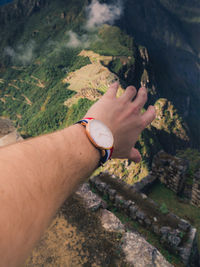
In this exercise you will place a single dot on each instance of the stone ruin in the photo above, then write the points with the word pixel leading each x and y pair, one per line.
pixel 173 172
pixel 138 252
pixel 176 234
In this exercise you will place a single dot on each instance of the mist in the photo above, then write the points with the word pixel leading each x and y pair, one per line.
pixel 98 14
pixel 76 40
pixel 23 54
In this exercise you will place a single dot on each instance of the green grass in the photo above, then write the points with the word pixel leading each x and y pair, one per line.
pixel 173 203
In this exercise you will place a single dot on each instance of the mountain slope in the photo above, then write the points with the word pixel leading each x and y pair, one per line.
pixel 53 69
pixel 171 32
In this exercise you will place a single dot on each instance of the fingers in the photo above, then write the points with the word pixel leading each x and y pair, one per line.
pixel 112 90
pixel 148 116
pixel 140 99
pixel 129 94
pixel 135 155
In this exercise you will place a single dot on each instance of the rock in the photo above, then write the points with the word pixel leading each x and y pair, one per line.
pixel 156 229
pixel 10 138
pixel 184 225
pixel 92 201
pixel 143 196
pixel 155 219
pixel 94 179
pixel 140 215
pixel 127 204
pixel 174 240
pixel 185 254
pixel 147 221
pixel 6 127
pixel 132 210
pixel 110 222
pixel 164 231
pixel 8 133
pixel 108 187
pixel 112 193
pixel 139 253
pixel 101 187
pixel 119 201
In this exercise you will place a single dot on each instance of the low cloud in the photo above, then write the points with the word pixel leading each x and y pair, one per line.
pixel 23 54
pixel 99 14
pixel 76 40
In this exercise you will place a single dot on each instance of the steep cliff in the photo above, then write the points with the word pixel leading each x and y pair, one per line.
pixel 171 32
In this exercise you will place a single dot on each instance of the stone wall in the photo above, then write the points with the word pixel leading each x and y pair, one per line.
pixel 173 172
pixel 170 170
pixel 175 233
pixel 195 195
pixel 138 252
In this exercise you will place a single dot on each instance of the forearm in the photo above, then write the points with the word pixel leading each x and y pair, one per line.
pixel 39 174
pixel 52 167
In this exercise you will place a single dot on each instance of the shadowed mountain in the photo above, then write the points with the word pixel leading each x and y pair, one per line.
pixel 171 32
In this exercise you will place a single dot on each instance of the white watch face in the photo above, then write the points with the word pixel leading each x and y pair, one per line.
pixel 100 134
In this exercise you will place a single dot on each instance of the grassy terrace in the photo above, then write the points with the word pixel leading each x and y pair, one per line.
pixel 177 205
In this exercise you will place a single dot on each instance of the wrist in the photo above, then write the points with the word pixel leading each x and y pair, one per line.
pixel 100 136
pixel 87 152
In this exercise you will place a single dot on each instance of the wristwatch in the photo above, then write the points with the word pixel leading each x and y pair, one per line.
pixel 100 136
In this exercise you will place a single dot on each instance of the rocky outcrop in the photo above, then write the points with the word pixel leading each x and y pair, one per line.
pixel 140 253
pixel 8 133
pixel 6 127
pixel 173 50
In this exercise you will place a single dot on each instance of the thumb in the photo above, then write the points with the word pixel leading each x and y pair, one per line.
pixel 135 155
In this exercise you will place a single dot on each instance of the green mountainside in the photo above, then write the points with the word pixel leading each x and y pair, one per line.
pixel 52 69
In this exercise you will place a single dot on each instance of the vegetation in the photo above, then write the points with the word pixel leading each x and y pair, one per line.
pixel 77 111
pixel 175 204
pixel 40 96
pixel 163 208
pixel 193 158
pixel 113 42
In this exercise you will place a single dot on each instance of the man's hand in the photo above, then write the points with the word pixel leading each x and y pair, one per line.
pixel 124 117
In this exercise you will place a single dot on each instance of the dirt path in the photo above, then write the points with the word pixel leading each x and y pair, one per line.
pixel 76 238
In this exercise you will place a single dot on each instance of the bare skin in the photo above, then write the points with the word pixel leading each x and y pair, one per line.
pixel 37 175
